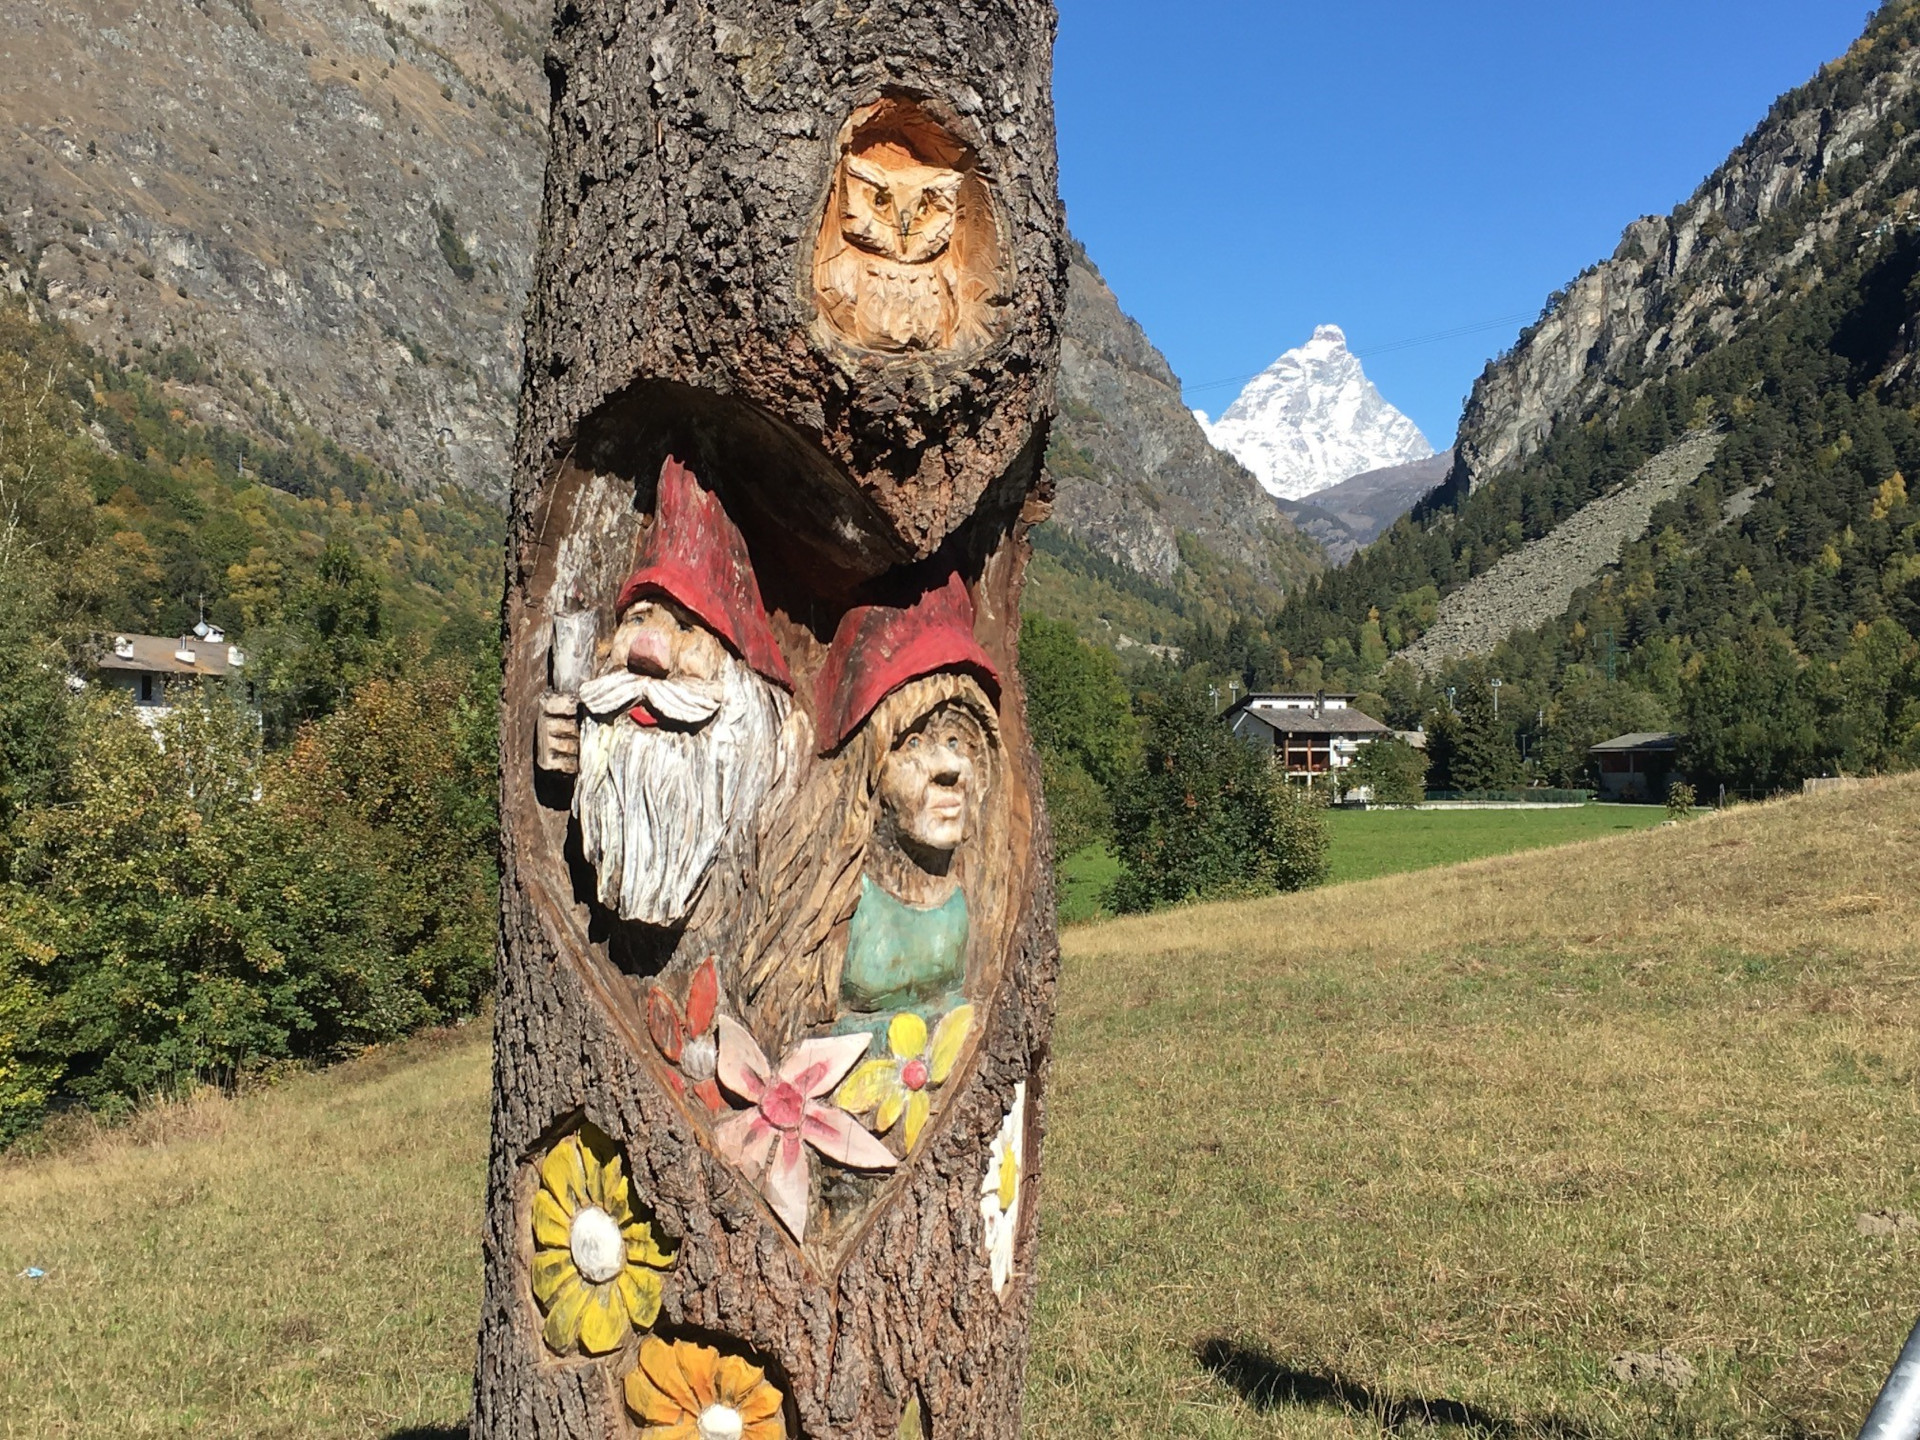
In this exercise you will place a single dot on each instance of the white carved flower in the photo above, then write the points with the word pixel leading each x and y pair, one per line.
pixel 1000 1189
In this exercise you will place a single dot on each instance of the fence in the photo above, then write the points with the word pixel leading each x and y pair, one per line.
pixel 1532 795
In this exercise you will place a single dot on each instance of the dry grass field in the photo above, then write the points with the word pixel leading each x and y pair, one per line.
pixel 1412 1156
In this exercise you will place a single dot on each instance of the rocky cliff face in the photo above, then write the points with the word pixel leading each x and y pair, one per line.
pixel 1134 471
pixel 323 212
pixel 1679 284
pixel 317 211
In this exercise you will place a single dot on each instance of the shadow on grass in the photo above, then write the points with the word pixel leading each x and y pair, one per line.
pixel 429 1432
pixel 1267 1384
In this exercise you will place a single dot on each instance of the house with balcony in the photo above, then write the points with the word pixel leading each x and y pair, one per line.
pixel 1307 735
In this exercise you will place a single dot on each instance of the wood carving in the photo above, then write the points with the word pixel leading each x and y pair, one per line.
pixel 777 946
pixel 909 255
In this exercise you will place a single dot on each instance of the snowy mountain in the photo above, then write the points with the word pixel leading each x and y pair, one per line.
pixel 1312 419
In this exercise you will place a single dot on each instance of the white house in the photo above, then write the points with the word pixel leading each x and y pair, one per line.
pixel 1308 734
pixel 155 671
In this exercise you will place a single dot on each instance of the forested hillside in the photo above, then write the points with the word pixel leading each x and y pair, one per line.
pixel 1770 610
pixel 239 893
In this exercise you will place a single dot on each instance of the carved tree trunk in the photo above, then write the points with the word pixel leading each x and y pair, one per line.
pixel 789 370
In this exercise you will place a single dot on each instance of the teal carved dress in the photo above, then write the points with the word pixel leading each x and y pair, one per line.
pixel 902 957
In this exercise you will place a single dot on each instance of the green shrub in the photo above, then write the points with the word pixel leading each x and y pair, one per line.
pixel 1207 816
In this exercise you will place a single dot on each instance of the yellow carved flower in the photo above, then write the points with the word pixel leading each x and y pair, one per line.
pixel 684 1391
pixel 901 1082
pixel 595 1263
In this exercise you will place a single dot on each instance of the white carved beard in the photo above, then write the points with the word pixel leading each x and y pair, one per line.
pixel 655 804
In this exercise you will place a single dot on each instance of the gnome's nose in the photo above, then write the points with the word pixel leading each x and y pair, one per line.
pixel 648 654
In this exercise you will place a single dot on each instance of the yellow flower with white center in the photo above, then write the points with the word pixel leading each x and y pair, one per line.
pixel 596 1264
pixel 1000 1189
pixel 901 1082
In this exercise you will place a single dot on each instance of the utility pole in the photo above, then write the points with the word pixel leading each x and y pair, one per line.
pixel 1495 685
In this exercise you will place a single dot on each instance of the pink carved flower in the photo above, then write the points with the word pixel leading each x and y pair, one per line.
pixel 786 1114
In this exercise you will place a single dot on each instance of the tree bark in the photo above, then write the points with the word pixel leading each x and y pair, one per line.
pixel 814 255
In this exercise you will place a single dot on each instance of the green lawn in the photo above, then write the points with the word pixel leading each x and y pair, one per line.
pixel 1368 843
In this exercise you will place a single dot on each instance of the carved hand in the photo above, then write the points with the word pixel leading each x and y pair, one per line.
pixel 557 737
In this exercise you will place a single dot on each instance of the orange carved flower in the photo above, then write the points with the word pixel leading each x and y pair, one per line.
pixel 684 1391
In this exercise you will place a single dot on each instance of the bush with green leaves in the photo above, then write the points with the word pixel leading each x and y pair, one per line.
pixel 1390 770
pixel 1208 816
pixel 193 910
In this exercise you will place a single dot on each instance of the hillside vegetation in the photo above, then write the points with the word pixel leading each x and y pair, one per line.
pixel 1468 1134
pixel 1771 607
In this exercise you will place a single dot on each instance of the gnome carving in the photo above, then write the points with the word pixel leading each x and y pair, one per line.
pixel 675 738
pixel 911 755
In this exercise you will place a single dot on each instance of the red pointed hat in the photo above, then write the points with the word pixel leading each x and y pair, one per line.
pixel 878 648
pixel 694 555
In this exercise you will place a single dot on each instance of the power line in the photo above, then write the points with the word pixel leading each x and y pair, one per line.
pixel 1390 346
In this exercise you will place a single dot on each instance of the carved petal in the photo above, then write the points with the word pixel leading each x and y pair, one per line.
pixel 761 1401
pixel 613 1191
pixel 743 1137
pixel 661 1363
pixel 918 1104
pixel 869 1084
pixel 703 996
pixel 891 1105
pixel 550 1267
pixel 643 1248
pixel 815 1066
pixel 735 1380
pixel 654 1406
pixel 907 1035
pixel 708 1093
pixel 640 1292
pixel 785 1184
pixel 948 1036
pixel 564 1173
pixel 603 1324
pixel 742 1065
pixel 563 1320
pixel 663 1025
pixel 839 1136
pixel 551 1223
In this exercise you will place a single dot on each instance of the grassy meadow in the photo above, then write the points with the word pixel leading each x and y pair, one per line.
pixel 1414 1154
pixel 1365 844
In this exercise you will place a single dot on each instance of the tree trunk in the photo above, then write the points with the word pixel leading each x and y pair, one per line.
pixel 790 364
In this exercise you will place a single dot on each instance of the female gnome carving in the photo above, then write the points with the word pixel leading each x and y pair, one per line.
pixel 896 827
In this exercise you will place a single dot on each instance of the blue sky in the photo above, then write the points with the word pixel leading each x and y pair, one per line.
pixel 1242 170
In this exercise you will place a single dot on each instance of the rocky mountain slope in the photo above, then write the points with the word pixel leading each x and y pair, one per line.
pixel 1538 581
pixel 1347 517
pixel 322 212
pixel 1313 419
pixel 1757 230
pixel 314 210
pixel 1136 477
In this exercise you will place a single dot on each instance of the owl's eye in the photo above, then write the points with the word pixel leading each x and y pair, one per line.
pixel 913 742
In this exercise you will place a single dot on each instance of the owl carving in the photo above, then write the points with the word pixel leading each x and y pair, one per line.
pixel 908 245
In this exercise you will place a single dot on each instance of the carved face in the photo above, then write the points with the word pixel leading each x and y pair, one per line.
pixel 896 208
pixel 928 781
pixel 658 639
pixel 679 741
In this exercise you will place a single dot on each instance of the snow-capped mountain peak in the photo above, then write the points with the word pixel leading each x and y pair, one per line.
pixel 1312 419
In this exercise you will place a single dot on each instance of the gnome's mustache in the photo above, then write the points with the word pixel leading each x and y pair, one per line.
pixel 681 702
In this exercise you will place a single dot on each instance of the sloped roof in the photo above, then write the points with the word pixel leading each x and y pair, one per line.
pixel 1305 722
pixel 1639 740
pixel 161 655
